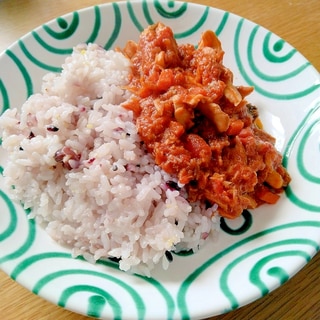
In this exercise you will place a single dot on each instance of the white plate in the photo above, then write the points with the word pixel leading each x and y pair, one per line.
pixel 253 255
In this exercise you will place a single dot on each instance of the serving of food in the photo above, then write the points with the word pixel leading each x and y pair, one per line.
pixel 133 154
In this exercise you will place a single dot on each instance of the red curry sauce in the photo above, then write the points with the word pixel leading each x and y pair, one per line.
pixel 198 125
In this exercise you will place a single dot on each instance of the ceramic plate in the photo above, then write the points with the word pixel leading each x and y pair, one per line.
pixel 253 254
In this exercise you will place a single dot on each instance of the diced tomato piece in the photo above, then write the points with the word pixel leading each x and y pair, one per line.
pixel 267 195
pixel 235 127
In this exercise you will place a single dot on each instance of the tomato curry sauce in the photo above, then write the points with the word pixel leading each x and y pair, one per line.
pixel 198 125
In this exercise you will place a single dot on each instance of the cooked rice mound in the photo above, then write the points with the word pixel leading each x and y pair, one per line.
pixel 75 159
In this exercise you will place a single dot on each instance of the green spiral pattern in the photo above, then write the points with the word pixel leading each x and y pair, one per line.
pixel 253 276
pixel 280 76
pixel 11 213
pixel 270 54
pixel 305 136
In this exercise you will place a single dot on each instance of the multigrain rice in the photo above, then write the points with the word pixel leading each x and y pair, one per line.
pixel 75 158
